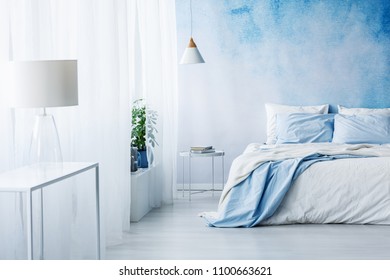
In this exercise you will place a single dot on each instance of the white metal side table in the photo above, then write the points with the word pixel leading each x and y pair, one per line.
pixel 191 155
pixel 39 176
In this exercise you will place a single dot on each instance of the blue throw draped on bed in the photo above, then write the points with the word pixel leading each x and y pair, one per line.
pixel 258 197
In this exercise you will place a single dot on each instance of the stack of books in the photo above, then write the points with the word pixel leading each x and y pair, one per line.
pixel 202 149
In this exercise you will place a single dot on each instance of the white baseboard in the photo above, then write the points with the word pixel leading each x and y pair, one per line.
pixel 201 186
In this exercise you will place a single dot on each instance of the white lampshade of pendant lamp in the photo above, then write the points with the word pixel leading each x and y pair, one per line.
pixel 191 54
pixel 42 84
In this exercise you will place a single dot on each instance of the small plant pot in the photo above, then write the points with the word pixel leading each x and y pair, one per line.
pixel 143 159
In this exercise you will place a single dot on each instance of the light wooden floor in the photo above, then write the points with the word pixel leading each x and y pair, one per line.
pixel 175 232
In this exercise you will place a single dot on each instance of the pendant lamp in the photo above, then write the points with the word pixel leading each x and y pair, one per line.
pixel 191 53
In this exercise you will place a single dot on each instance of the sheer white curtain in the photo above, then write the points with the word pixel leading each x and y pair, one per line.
pixel 158 61
pixel 97 34
pixel 124 48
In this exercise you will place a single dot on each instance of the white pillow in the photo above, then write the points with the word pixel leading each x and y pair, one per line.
pixel 273 109
pixel 363 111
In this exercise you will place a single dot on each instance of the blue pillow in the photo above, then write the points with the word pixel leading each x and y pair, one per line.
pixel 304 128
pixel 356 129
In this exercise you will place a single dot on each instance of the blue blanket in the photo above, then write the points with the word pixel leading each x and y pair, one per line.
pixel 258 197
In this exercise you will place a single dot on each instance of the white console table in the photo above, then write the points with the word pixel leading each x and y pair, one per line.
pixel 191 155
pixel 39 176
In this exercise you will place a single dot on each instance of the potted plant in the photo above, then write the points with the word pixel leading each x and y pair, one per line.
pixel 143 130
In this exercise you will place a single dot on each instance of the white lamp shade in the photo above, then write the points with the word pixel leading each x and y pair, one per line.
pixel 191 54
pixel 39 84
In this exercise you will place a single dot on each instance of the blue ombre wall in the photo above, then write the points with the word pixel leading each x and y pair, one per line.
pixel 290 52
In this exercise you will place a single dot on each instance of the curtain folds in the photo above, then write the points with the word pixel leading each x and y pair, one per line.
pixel 158 86
pixel 107 40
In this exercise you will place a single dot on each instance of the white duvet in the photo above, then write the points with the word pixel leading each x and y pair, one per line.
pixel 352 190
pixel 340 191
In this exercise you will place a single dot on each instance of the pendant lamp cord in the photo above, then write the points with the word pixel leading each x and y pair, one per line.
pixel 191 15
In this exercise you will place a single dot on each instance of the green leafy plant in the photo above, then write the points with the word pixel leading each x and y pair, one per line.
pixel 143 123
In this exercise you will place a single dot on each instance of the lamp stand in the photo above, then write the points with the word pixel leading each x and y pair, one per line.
pixel 45 143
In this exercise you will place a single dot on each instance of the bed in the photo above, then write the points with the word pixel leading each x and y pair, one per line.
pixel 335 171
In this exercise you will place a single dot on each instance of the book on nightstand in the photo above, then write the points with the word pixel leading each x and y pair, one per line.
pixel 202 149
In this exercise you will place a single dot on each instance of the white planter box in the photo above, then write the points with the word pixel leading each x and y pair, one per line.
pixel 140 189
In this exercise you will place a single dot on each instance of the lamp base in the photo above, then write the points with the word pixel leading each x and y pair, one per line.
pixel 45 143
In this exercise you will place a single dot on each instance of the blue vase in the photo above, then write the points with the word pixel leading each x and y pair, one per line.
pixel 143 159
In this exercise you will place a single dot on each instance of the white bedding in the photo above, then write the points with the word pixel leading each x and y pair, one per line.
pixel 352 190
pixel 340 191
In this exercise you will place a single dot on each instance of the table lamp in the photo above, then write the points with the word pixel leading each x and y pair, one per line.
pixel 42 84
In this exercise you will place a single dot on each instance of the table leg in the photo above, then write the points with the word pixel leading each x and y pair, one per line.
pixel 223 171
pixel 189 178
pixel 182 189
pixel 97 211
pixel 212 168
pixel 30 244
pixel 42 231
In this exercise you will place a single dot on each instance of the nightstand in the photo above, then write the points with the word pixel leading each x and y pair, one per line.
pixel 212 155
